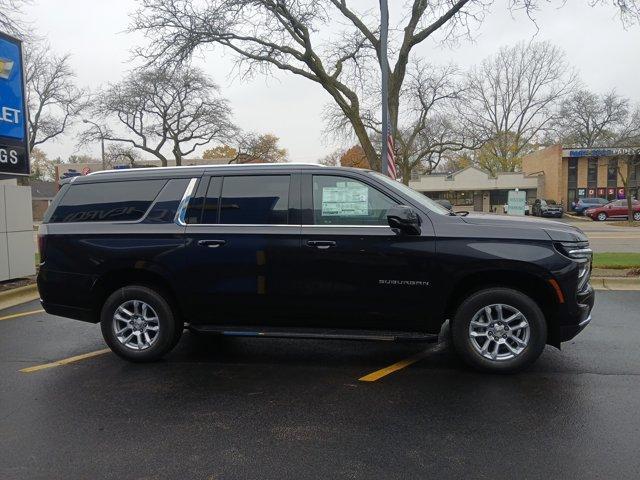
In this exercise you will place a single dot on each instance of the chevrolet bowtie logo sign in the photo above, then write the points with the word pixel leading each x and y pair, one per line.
pixel 6 66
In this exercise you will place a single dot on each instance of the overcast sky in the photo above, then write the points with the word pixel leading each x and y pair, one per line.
pixel 605 54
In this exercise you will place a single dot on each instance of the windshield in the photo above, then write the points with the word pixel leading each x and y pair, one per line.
pixel 409 192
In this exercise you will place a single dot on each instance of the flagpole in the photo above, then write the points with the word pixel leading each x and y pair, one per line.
pixel 384 28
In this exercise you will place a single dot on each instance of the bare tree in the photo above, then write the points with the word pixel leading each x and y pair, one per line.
pixel 118 154
pixel 512 98
pixel 52 96
pixel 157 110
pixel 591 120
pixel 291 36
pixel 11 20
pixel 428 127
pixel 255 148
pixel 332 159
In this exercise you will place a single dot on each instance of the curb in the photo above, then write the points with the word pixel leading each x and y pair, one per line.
pixel 576 217
pixel 615 283
pixel 19 295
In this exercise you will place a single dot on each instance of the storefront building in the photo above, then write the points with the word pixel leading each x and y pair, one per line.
pixel 570 173
pixel 475 189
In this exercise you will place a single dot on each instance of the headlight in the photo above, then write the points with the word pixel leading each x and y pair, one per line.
pixel 582 255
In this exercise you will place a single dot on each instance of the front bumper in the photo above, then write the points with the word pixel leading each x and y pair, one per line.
pixel 553 213
pixel 577 322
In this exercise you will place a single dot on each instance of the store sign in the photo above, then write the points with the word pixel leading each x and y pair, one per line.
pixel 592 192
pixel 516 202
pixel 602 192
pixel 621 194
pixel 582 192
pixel 601 152
pixel 14 157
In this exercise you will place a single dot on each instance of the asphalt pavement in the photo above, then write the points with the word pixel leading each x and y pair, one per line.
pixel 256 408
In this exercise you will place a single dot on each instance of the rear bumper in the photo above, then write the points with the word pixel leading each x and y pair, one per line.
pixel 76 313
pixel 67 294
pixel 577 322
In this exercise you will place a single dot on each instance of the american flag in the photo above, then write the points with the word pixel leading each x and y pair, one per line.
pixel 391 156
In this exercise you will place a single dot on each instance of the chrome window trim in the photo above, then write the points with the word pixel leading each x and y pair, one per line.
pixel 182 207
pixel 281 225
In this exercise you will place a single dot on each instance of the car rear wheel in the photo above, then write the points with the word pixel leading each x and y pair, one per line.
pixel 636 216
pixel 602 216
pixel 138 324
pixel 499 330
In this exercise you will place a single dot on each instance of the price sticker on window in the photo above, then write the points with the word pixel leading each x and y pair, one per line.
pixel 346 199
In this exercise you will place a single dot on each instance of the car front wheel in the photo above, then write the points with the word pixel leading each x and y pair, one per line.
pixel 138 324
pixel 500 330
pixel 602 217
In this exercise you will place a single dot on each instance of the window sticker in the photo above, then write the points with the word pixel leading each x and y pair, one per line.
pixel 346 199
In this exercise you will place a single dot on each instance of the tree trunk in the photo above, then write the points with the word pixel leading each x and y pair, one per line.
pixel 625 184
pixel 177 153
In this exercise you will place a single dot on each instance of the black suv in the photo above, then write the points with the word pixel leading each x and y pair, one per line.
pixel 304 251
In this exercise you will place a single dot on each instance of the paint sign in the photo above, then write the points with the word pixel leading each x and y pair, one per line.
pixel 14 151
pixel 516 202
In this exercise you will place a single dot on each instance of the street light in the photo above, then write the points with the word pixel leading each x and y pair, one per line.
pixel 104 163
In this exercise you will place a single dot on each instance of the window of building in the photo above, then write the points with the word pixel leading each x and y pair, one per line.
pixel 345 201
pixel 499 197
pixel 612 173
pixel 456 198
pixel 107 202
pixel 592 173
pixel 573 173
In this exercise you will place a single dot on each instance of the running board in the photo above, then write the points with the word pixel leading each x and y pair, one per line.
pixel 313 333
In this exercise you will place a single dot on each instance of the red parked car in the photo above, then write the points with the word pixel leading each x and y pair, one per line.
pixel 615 209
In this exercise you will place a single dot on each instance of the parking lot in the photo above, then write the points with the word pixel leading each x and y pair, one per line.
pixel 251 408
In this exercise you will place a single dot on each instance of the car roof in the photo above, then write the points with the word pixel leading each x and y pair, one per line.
pixel 198 170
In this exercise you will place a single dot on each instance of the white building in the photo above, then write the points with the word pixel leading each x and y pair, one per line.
pixel 476 189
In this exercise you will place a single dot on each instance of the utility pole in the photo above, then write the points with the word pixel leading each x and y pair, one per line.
pixel 104 160
pixel 384 67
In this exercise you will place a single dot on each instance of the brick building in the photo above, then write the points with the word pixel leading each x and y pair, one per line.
pixel 569 173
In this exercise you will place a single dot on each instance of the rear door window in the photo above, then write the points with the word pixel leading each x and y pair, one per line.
pixel 107 201
pixel 254 200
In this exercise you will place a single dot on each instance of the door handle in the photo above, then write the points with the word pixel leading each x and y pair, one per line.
pixel 321 244
pixel 211 243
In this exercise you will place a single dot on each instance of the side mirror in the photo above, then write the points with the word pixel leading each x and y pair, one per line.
pixel 404 219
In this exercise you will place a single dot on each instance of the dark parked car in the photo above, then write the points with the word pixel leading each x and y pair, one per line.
pixel 305 251
pixel 584 203
pixel 546 208
pixel 615 209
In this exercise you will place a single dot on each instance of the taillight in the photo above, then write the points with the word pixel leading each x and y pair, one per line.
pixel 42 241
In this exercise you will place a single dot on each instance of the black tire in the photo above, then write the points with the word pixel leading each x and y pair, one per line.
pixel 169 331
pixel 462 342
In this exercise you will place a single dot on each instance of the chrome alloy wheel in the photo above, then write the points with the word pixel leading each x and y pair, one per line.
pixel 499 332
pixel 136 325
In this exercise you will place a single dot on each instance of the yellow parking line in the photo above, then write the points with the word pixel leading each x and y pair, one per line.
pixel 65 361
pixel 378 374
pixel 21 314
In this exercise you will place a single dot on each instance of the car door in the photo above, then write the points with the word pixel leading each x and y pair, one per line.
pixel 618 209
pixel 355 271
pixel 239 234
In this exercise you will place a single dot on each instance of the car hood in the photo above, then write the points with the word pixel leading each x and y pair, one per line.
pixel 557 231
